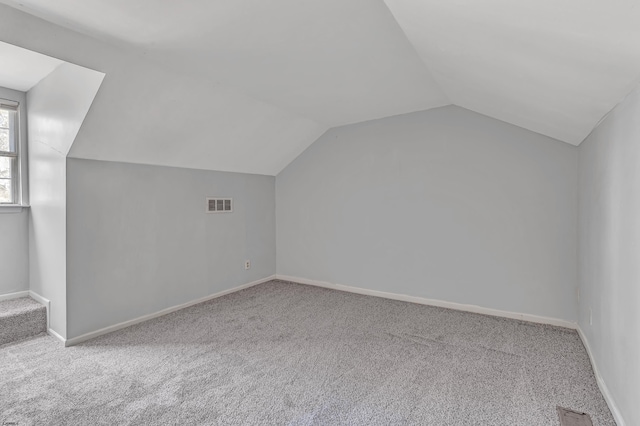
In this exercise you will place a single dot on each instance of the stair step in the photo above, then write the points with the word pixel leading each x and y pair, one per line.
pixel 21 318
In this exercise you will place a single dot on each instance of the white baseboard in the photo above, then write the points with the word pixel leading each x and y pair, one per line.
pixel 125 324
pixel 433 302
pixel 601 384
pixel 358 290
pixel 16 295
pixel 46 302
pixel 56 335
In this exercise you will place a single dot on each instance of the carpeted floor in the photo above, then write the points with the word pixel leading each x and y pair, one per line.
pixel 21 318
pixel 283 353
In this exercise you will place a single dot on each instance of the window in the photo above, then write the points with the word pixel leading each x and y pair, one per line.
pixel 9 162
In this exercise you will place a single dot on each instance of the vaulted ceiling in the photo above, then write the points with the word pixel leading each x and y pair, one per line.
pixel 552 66
pixel 332 61
pixel 555 67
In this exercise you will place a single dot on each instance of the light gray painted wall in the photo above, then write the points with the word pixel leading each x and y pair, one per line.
pixel 56 107
pixel 139 239
pixel 47 231
pixel 14 251
pixel 14 232
pixel 444 204
pixel 609 260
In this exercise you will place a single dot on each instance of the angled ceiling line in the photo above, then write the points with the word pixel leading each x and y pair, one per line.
pixel 552 68
pixel 634 86
pixel 423 60
pixel 241 125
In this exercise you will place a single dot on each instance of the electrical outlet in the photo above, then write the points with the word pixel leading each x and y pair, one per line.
pixel 590 316
pixel 247 264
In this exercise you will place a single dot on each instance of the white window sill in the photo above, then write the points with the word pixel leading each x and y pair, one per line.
pixel 11 208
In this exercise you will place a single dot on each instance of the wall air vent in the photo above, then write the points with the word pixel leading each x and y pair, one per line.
pixel 219 205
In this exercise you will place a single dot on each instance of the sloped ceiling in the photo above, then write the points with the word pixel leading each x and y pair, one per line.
pixel 58 105
pixel 22 69
pixel 332 61
pixel 149 114
pixel 252 83
pixel 552 66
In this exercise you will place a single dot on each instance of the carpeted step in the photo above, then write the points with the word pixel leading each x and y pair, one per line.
pixel 21 318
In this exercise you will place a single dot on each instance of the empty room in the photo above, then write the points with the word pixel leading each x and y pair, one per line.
pixel 320 212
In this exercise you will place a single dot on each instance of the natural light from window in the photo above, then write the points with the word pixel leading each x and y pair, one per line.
pixel 8 154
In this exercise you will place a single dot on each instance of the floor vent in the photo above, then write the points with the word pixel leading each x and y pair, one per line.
pixel 573 418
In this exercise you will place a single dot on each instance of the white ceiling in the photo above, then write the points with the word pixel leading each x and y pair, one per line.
pixel 552 66
pixel 139 118
pixel 332 61
pixel 21 69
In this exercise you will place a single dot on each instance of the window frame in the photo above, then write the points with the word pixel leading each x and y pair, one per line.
pixel 13 155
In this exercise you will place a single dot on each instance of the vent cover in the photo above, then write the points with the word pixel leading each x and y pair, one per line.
pixel 219 205
pixel 573 418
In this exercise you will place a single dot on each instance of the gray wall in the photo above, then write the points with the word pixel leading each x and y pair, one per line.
pixel 14 243
pixel 609 260
pixel 14 251
pixel 56 108
pixel 139 239
pixel 443 204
